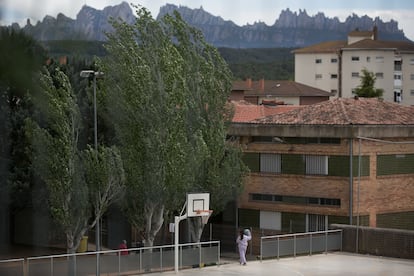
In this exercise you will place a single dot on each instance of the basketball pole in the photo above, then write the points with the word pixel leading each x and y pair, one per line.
pixel 177 220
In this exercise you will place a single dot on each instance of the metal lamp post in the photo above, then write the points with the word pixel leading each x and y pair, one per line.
pixel 87 74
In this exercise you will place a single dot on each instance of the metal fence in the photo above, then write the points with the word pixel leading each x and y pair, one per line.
pixel 138 260
pixel 12 267
pixel 300 243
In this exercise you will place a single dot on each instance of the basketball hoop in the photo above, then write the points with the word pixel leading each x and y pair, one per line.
pixel 204 214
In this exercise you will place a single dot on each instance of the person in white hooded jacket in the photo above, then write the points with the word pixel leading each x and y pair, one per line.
pixel 242 242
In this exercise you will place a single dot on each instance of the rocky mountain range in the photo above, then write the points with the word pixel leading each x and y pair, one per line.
pixel 291 29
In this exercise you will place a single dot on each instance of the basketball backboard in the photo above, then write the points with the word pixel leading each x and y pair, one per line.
pixel 197 202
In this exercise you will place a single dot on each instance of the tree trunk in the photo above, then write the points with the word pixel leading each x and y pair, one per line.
pixel 154 216
pixel 196 227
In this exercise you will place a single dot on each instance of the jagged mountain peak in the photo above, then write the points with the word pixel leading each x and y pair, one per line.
pixel 290 29
pixel 198 15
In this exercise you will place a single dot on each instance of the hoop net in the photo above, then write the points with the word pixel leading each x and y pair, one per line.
pixel 204 214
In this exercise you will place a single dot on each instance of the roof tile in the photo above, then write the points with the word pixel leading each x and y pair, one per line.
pixel 342 111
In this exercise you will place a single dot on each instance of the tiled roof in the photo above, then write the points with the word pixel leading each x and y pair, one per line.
pixel 341 111
pixel 379 44
pixel 324 47
pixel 361 33
pixel 286 88
pixel 279 88
pixel 334 46
pixel 246 112
pixel 240 85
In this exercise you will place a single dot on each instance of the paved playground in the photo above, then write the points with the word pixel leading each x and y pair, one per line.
pixel 332 264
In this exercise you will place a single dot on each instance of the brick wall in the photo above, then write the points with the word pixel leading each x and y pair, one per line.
pixel 372 195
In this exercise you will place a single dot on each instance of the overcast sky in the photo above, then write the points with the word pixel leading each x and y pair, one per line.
pixel 240 12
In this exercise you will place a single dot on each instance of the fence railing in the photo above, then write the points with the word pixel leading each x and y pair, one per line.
pixel 300 243
pixel 116 262
pixel 12 267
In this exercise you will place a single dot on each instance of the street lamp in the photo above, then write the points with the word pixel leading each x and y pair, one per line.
pixel 95 74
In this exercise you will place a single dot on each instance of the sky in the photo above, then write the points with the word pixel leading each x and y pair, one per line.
pixel 241 12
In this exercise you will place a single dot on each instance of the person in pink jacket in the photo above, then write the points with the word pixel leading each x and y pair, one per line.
pixel 242 242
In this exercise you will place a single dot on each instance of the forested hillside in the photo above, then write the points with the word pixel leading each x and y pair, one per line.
pixel 255 63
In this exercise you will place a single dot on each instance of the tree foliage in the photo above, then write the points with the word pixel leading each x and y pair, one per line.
pixel 81 184
pixel 367 87
pixel 56 158
pixel 167 89
pixel 21 58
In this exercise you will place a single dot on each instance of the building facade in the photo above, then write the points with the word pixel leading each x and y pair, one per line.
pixel 336 66
pixel 338 161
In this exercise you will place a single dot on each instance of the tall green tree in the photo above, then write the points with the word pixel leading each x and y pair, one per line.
pixel 167 90
pixel 21 58
pixel 81 184
pixel 56 158
pixel 367 87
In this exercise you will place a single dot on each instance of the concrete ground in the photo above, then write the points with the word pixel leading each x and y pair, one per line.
pixel 331 264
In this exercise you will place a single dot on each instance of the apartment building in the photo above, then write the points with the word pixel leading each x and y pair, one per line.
pixel 337 161
pixel 336 66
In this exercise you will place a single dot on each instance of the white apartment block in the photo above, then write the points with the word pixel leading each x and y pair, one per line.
pixel 336 66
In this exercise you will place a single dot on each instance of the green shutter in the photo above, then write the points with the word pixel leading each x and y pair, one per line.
pixel 249 218
pixel 252 160
pixel 339 165
pixel 395 164
pixel 293 164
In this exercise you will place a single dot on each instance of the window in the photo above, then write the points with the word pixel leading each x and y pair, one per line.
pixel 412 92
pixel 368 59
pixel 317 223
pixel 379 59
pixel 312 140
pixel 334 60
pixel 270 220
pixel 270 163
pixel 318 76
pixel 318 60
pixel 397 77
pixel 316 164
pixel 355 74
pixel 334 76
pixel 395 164
pixel 295 199
pixel 412 77
pixel 397 96
pixel 379 75
pixel 412 61
pixel 355 58
pixel 397 65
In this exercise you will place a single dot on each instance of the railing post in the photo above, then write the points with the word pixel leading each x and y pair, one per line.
pixel 218 253
pixel 326 242
pixel 140 259
pixel 294 245
pixel 161 258
pixel 51 266
pixel 119 263
pixel 278 246
pixel 199 256
pixel 310 244
pixel 261 249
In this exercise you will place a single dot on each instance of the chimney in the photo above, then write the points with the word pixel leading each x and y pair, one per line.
pixel 262 84
pixel 249 83
pixel 375 31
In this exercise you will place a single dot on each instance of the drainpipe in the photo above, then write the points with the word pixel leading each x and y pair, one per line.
pixel 351 178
